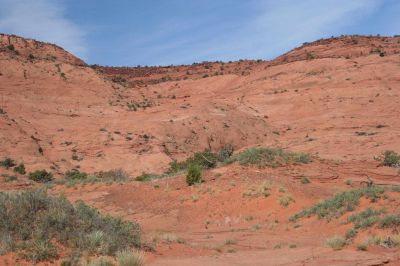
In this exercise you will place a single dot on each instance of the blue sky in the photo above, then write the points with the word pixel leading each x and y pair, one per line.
pixel 164 32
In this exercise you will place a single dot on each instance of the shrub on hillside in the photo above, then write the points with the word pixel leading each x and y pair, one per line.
pixel 340 203
pixel 205 159
pixel 76 175
pixel 20 169
pixel 391 158
pixel 41 176
pixel 193 175
pixel 147 177
pixel 35 225
pixel 117 175
pixel 7 163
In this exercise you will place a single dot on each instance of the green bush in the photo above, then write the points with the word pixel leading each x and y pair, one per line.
pixel 205 159
pixel 390 220
pixel 340 203
pixel 35 222
pixel 365 218
pixel 41 176
pixel 391 159
pixel 7 163
pixel 269 157
pixel 76 175
pixel 193 175
pixel 147 177
pixel 20 169
pixel 351 233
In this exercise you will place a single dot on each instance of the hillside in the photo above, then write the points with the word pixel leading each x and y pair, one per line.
pixel 336 99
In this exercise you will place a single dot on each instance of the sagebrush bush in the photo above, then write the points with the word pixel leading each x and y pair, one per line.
pixel 117 175
pixel 340 203
pixel 20 169
pixel 76 175
pixel 147 177
pixel 365 218
pixel 205 159
pixel 35 222
pixel 304 180
pixel 41 176
pixel 130 258
pixel 336 242
pixel 7 163
pixel 193 175
pixel 391 158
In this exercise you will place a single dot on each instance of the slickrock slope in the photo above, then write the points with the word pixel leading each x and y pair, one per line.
pixel 56 107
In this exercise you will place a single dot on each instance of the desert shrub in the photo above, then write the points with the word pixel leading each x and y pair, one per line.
pixel 35 222
pixel 391 158
pixel 365 218
pixel 340 203
pixel 11 47
pixel 10 178
pixel 130 258
pixel 390 220
pixel 225 152
pixel 147 177
pixel 20 169
pixel 193 175
pixel 269 157
pixel 36 250
pixel 117 175
pixel 304 180
pixel 336 242
pixel 7 163
pixel 350 233
pixel 41 176
pixel 285 200
pixel 205 159
pixel 76 175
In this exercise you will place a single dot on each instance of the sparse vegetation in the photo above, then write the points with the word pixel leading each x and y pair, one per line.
pixel 350 233
pixel 33 222
pixel 147 177
pixel 285 200
pixel 20 169
pixel 116 175
pixel 130 258
pixel 41 176
pixel 205 160
pixel 340 203
pixel 269 157
pixel 365 218
pixel 76 175
pixel 7 163
pixel 304 180
pixel 336 242
pixel 391 158
pixel 193 175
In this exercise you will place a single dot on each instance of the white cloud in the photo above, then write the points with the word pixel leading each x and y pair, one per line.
pixel 43 20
